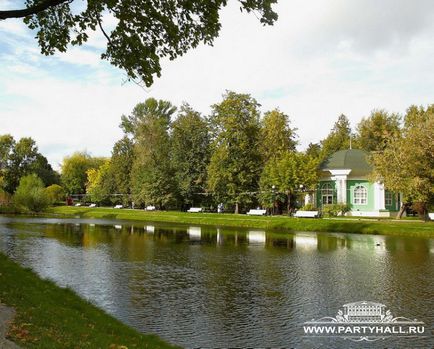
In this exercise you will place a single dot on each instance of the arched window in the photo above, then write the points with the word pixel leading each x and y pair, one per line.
pixel 327 194
pixel 360 195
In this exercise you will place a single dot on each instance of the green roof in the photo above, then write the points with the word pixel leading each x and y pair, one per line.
pixel 351 159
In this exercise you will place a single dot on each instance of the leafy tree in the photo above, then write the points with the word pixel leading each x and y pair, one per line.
pixel 374 132
pixel 30 194
pixel 416 115
pixel 145 31
pixel 18 159
pixel 313 150
pixel 74 171
pixel 235 163
pixel 338 138
pixel 276 136
pixel 120 167
pixel 190 154
pixel 152 179
pixel 55 193
pixel 100 183
pixel 7 143
pixel 407 162
pixel 43 170
pixel 282 178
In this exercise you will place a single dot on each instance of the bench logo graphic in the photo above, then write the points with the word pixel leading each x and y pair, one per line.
pixel 364 321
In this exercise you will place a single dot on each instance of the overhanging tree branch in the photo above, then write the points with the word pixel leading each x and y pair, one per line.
pixel 103 31
pixel 42 6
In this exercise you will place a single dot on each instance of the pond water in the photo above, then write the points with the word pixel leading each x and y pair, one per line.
pixel 213 287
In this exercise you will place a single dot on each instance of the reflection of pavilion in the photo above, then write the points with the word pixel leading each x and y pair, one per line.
pixel 219 237
pixel 256 237
pixel 306 241
pixel 364 312
pixel 194 233
pixel 150 229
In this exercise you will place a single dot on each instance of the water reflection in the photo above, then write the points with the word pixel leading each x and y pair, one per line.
pixel 256 237
pixel 306 242
pixel 194 233
pixel 206 287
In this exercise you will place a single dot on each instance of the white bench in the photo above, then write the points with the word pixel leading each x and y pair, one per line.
pixel 431 216
pixel 118 206
pixel 150 208
pixel 306 214
pixel 194 209
pixel 92 205
pixel 256 212
pixel 77 205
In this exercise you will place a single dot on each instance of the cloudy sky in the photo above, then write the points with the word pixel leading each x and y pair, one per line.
pixel 321 59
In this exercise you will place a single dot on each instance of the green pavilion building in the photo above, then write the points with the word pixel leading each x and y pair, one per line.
pixel 344 179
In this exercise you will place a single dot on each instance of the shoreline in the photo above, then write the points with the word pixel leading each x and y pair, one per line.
pixel 49 316
pixel 282 224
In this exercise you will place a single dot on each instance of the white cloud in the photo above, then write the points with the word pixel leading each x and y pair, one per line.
pixel 321 59
pixel 15 27
pixel 370 25
pixel 80 56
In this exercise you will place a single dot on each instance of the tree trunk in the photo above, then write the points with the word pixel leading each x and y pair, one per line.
pixel 401 210
pixel 425 212
pixel 289 203
pixel 236 208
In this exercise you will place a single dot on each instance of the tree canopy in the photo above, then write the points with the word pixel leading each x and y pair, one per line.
pixel 120 167
pixel 235 164
pixel 74 171
pixel 190 154
pixel 145 31
pixel 20 158
pixel 100 183
pixel 283 176
pixel 152 181
pixel 276 136
pixel 406 165
pixel 338 138
pixel 374 132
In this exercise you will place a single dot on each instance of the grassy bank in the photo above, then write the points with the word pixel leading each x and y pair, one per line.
pixel 48 316
pixel 280 223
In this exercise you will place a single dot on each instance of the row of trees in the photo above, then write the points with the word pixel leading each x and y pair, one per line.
pixel 227 157
pixel 234 156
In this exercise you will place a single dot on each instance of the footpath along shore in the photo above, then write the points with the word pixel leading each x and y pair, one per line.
pixel 279 224
pixel 7 314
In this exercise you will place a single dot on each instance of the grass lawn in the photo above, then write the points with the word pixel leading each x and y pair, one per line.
pixel 277 223
pixel 48 316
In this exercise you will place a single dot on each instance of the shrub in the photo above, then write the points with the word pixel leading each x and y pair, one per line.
pixel 335 210
pixel 308 207
pixel 5 198
pixel 30 194
pixel 55 193
pixel 6 205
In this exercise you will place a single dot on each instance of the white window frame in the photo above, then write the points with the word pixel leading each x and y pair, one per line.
pixel 327 192
pixel 388 198
pixel 360 198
